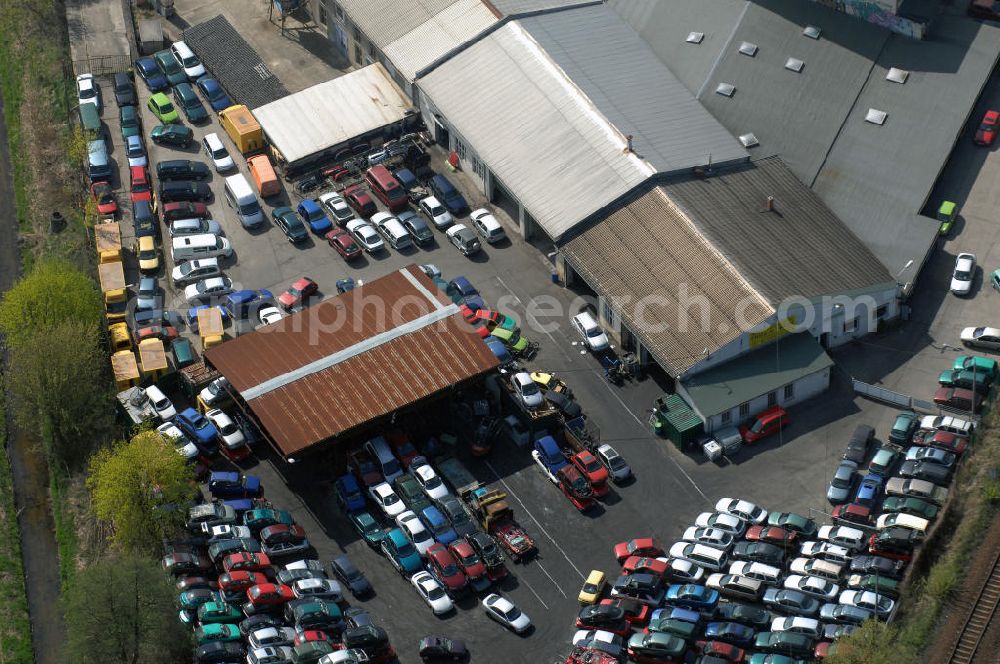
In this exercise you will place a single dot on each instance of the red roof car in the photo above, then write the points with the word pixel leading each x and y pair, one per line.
pixel 593 470
pixel 364 469
pixel 644 565
pixel 140 189
pixel 307 635
pixel 343 243
pixel 468 560
pixel 987 130
pixel 764 424
pixel 183 210
pixel 246 562
pixel 401 446
pixel 575 487
pixel 298 291
pixel 636 613
pixel 444 567
pixel 725 651
pixel 641 546
pixel 854 513
pixel 104 197
pixel 358 198
pixel 958 397
pixel 240 581
pixel 269 595
pixel 772 535
pixel 948 441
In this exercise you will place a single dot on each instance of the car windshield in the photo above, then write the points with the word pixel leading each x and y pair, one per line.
pixel 390 499
pixel 220 153
pixel 594 332
pixel 757 426
pixel 166 107
pixel 469 560
pixel 963 275
pixel 513 614
pixel 590 587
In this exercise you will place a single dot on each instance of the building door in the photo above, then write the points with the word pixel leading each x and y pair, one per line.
pixel 503 199
pixel 339 38
pixel 441 134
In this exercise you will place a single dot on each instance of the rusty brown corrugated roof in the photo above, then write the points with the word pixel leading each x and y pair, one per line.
pixel 324 370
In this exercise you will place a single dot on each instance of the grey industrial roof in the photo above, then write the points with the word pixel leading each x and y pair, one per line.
pixel 384 21
pixel 762 371
pixel 333 112
pixel 799 249
pixel 514 7
pixel 648 259
pixel 623 78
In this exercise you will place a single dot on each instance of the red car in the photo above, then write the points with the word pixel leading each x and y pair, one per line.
pixel 163 332
pixel 246 562
pixel 854 513
pixel 140 189
pixel 240 582
pixel 644 565
pixel 299 291
pixel 636 613
pixel 764 424
pixel 307 635
pixel 444 567
pixel 945 440
pixel 902 553
pixel 824 649
pixel 360 201
pixel 401 446
pixel 773 535
pixel 987 130
pixel 593 470
pixel 589 656
pixel 468 560
pixel 575 487
pixel 959 398
pixel 266 596
pixel 183 210
pixel 641 546
pixel 343 243
pixel 987 9
pixel 725 651
pixel 104 197
pixel 364 469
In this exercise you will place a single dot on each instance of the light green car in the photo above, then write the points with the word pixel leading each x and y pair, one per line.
pixel 946 215
pixel 159 104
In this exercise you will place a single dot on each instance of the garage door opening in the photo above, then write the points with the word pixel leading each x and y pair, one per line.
pixel 503 199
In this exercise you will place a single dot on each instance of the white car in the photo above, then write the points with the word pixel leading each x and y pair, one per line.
pixel 386 498
pixel 225 531
pixel 188 61
pixel 161 404
pixel 965 270
pixel 599 639
pixel 191 271
pixel 759 571
pixel 207 288
pixel 269 315
pixel 270 655
pixel 798 625
pixel 614 462
pixel 271 636
pixel 982 337
pixel 487 225
pixel 845 536
pixel 682 570
pixel 833 553
pixel 527 390
pixel 415 531
pixel 306 564
pixel 229 433
pixel 184 446
pixel 216 392
pixel 502 610
pixel 318 589
pixel 366 235
pixel 337 208
pixel 430 482
pixel 430 269
pixel 351 656
pixel 216 151
pixel 436 212
pixel 463 239
pixel 729 523
pixel 135 151
pixel 432 593
pixel 591 333
pixel 717 539
pixel 88 91
pixel 866 599
pixel 744 509
pixel 813 586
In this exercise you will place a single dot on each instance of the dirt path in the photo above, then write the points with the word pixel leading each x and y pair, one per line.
pixel 31 485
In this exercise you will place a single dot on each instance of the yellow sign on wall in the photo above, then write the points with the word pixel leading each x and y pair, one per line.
pixel 772 332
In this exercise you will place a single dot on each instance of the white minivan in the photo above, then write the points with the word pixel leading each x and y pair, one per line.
pixel 188 247
pixel 593 335
pixel 241 198
pixel 161 404
pixel 188 60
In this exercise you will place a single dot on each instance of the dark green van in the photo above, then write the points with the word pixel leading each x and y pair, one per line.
pixel 183 353
pixel 90 121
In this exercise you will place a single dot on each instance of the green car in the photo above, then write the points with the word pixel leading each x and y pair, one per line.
pixel 875 583
pixel 513 340
pixel 131 123
pixel 262 517
pixel 785 642
pixel 903 428
pixel 172 134
pixel 946 215
pixel 317 614
pixel 188 101
pixel 965 379
pixel 914 506
pixel 310 652
pixel 682 628
pixel 192 599
pixel 215 632
pixel 409 491
pixel 168 64
pixel 218 612
pixel 159 104
pixel 772 658
pixel 976 363
pixel 797 523
pixel 368 528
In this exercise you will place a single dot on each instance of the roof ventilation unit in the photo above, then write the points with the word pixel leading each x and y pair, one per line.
pixel 897 75
pixel 695 37
pixel 795 65
pixel 746 48
pixel 876 116
pixel 812 32
pixel 725 89
pixel 749 140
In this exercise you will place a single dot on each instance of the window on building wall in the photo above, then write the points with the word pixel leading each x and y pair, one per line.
pixel 744 409
pixel 460 149
pixel 726 417
pixel 790 391
pixel 357 34
pixel 338 11
pixel 772 399
pixel 322 14
pixel 478 168
pixel 881 311
pixel 371 51
pixel 357 54
pixel 609 314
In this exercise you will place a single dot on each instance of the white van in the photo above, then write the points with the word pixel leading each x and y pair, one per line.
pixel 392 229
pixel 188 60
pixel 379 449
pixel 187 247
pixel 241 198
pixel 161 404
pixel 592 334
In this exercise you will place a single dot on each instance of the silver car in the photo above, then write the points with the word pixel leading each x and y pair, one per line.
pixel 842 483
pixel 194 226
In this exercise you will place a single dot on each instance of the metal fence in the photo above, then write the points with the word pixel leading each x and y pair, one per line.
pixel 103 65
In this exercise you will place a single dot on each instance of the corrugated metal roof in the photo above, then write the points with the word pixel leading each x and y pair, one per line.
pixel 749 376
pixel 439 34
pixel 799 249
pixel 649 251
pixel 389 374
pixel 623 78
pixel 385 21
pixel 331 113
pixel 513 7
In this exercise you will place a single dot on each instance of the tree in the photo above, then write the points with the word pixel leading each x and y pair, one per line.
pixel 873 642
pixel 139 488
pixel 122 610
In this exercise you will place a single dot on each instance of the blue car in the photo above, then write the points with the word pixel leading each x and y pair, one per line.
pixel 692 596
pixel 313 215
pixel 200 430
pixel 229 484
pixel 401 552
pixel 216 96
pixel 150 74
pixel 439 526
pixel 868 491
pixel 499 349
pixel 730 632
pixel 461 291
pixel 675 613
pixel 349 494
pixel 192 315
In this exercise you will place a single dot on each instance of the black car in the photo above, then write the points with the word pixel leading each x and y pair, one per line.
pixel 144 220
pixel 172 134
pixel 925 470
pixel 751 616
pixel 373 640
pixel 567 406
pixel 220 653
pixel 600 616
pixel 452 509
pixel 487 549
pixel 124 90
pixel 181 169
pixel 860 444
pixel 184 190
pixel 636 584
pixel 357 617
pixel 290 224
pixel 759 552
pixel 409 491
pixel 348 574
pixel 441 649
pixel 892 569
pixel 260 621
